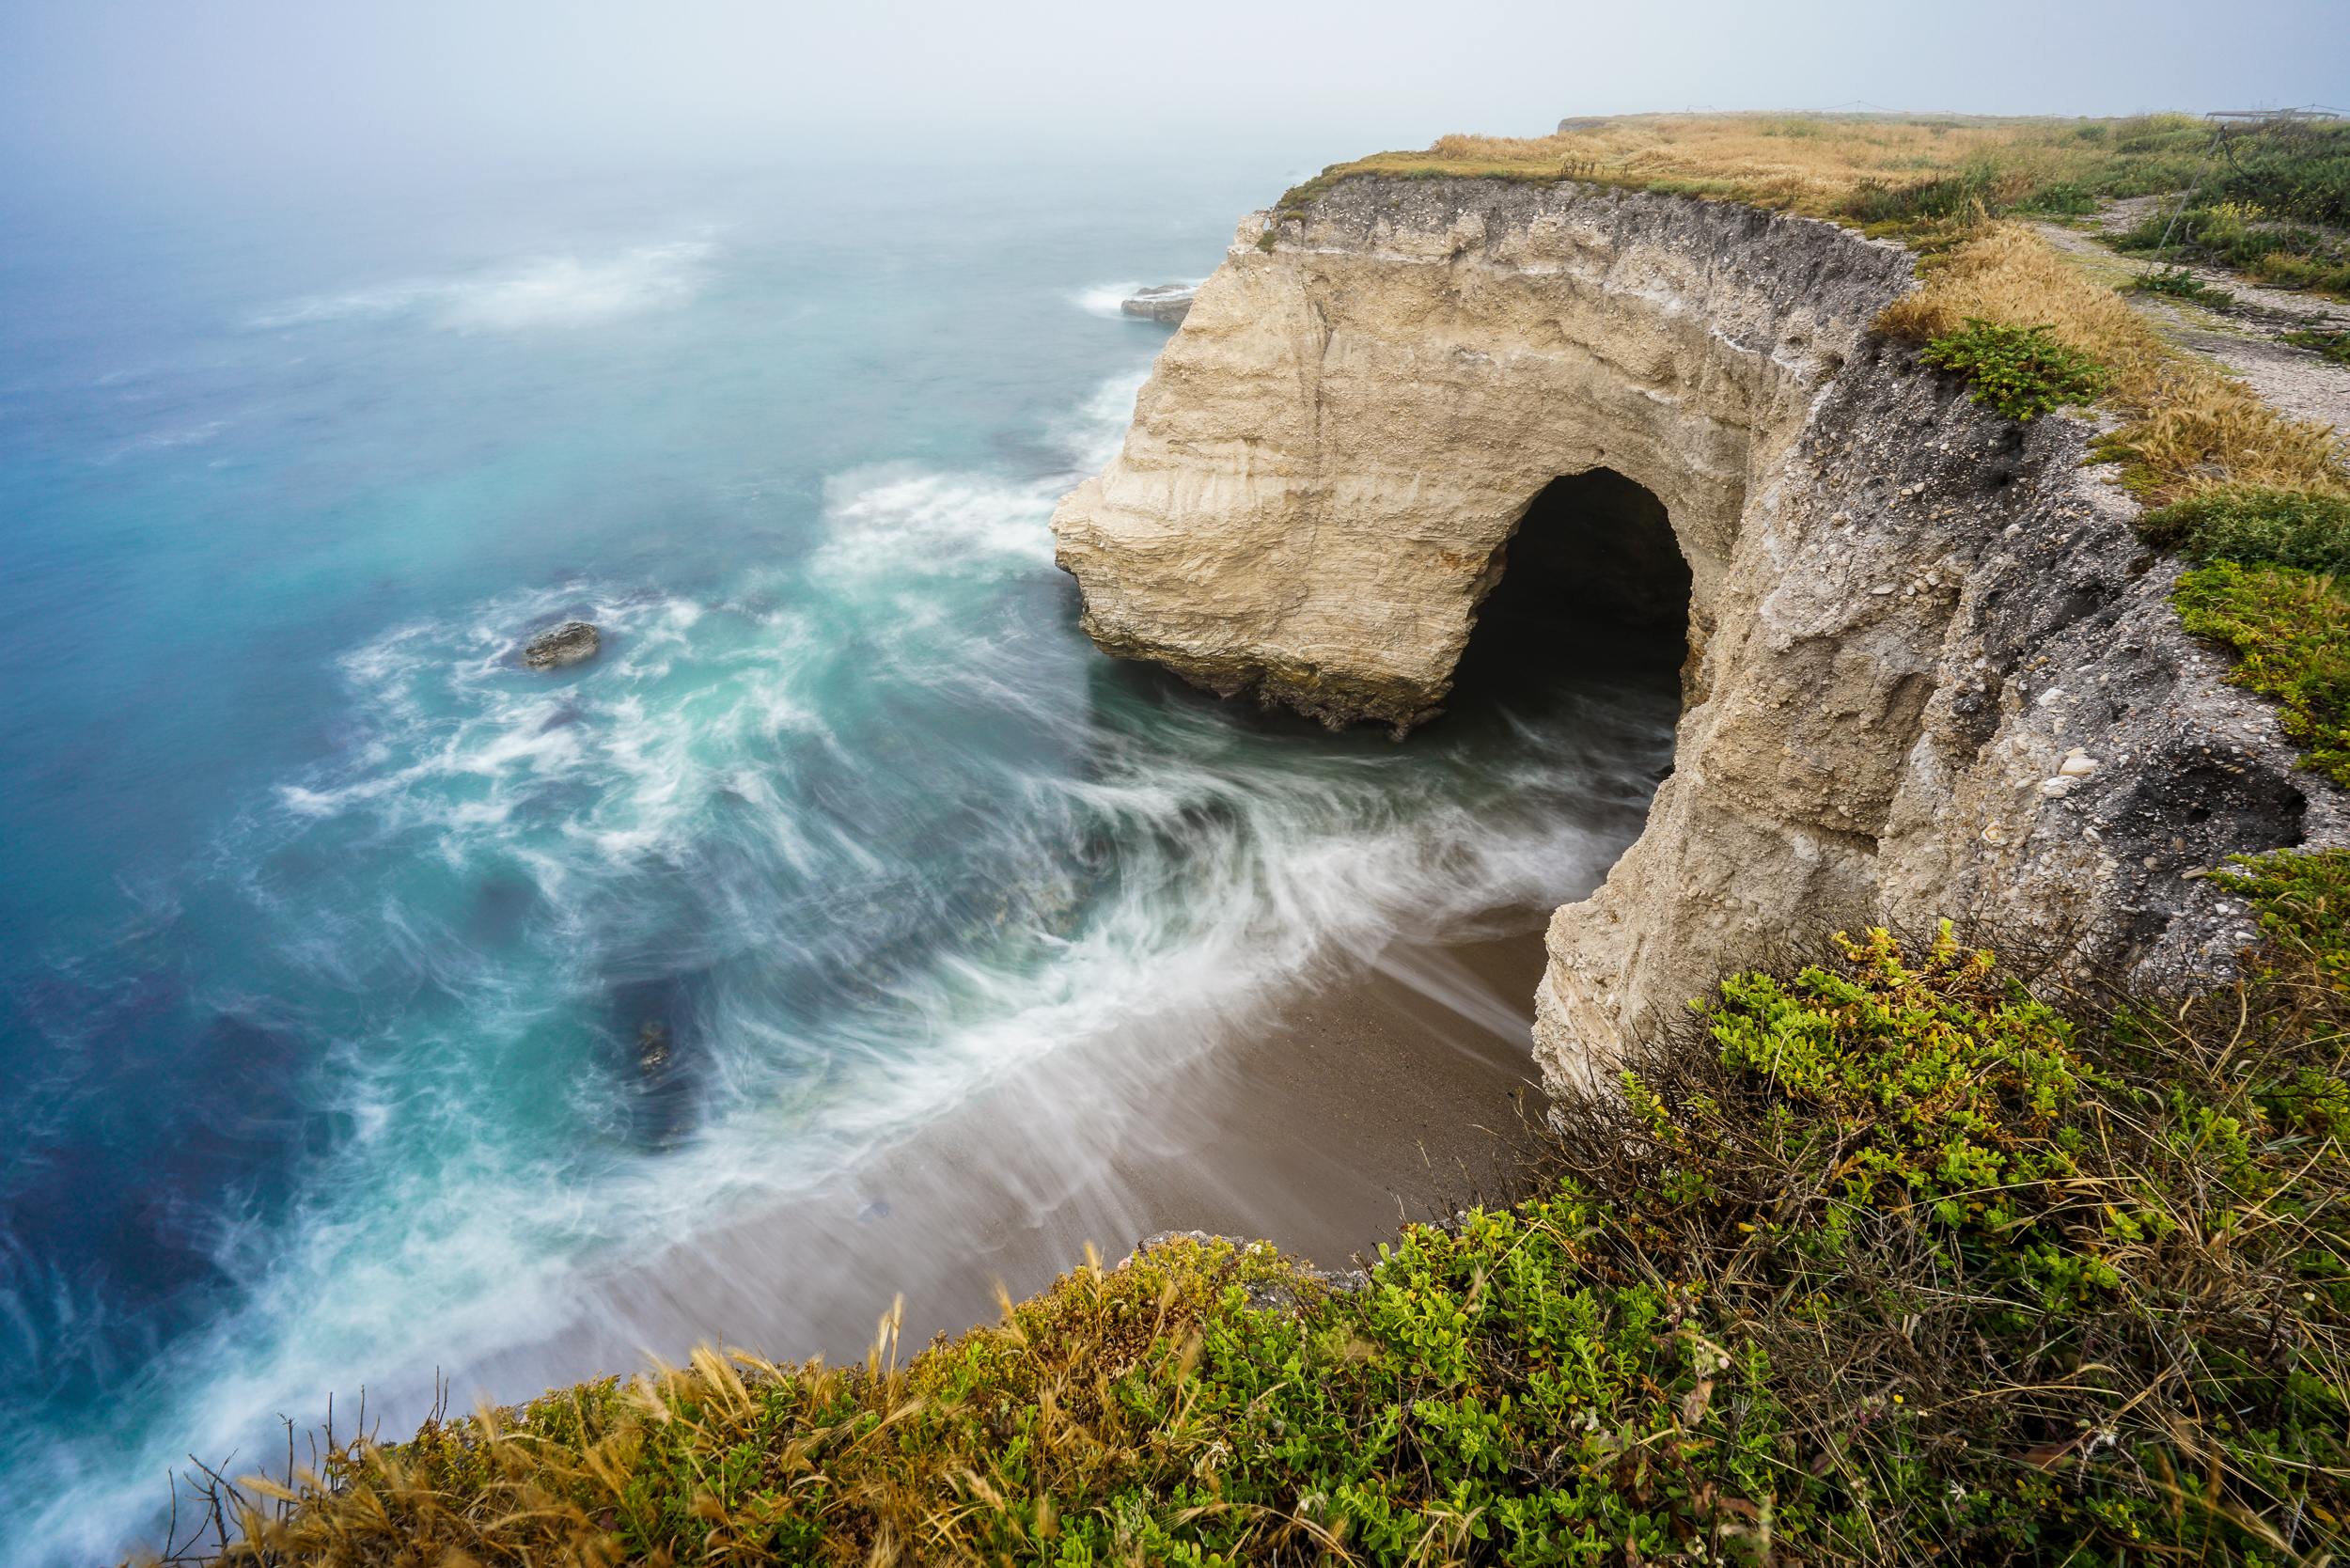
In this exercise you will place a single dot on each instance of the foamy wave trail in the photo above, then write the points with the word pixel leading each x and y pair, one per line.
pixel 1107 299
pixel 588 964
pixel 535 292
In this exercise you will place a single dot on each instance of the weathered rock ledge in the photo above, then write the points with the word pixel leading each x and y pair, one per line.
pixel 1905 612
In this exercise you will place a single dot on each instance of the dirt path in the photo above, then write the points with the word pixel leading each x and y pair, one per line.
pixel 2243 338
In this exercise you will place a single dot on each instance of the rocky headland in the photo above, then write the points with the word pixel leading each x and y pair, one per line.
pixel 1931 670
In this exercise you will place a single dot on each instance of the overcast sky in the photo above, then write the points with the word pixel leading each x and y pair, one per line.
pixel 155 86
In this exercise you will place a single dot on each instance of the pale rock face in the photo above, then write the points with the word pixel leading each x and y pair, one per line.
pixel 1327 457
pixel 1906 614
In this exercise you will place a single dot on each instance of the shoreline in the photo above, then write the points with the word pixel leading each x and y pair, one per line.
pixel 1389 1091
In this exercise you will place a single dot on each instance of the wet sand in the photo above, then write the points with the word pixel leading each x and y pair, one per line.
pixel 1386 1095
pixel 1396 1090
pixel 1389 1096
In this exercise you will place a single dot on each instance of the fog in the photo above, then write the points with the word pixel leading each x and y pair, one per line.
pixel 169 92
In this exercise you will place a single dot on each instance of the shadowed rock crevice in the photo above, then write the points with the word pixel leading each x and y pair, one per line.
pixel 1592 576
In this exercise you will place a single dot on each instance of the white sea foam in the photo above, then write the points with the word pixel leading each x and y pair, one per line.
pixel 536 291
pixel 1104 299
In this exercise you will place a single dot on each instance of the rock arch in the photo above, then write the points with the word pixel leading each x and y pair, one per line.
pixel 1327 458
pixel 1903 610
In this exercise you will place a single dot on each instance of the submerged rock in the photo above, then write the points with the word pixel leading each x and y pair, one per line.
pixel 1169 303
pixel 572 643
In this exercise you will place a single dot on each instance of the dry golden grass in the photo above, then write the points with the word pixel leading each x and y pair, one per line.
pixel 955 1455
pixel 1815 166
pixel 2193 427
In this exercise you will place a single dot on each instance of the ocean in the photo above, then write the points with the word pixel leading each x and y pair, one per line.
pixel 380 1014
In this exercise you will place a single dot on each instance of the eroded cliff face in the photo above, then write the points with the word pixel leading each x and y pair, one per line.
pixel 1906 613
pixel 1327 457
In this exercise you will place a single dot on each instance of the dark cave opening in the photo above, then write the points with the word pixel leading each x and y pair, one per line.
pixel 1592 581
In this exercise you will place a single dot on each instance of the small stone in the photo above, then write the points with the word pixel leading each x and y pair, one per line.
pixel 570 643
pixel 1882 587
pixel 2055 789
pixel 2077 765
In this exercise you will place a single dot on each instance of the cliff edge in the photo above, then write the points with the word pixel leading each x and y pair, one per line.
pixel 1932 671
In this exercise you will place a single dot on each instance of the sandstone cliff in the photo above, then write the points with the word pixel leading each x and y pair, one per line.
pixel 1905 614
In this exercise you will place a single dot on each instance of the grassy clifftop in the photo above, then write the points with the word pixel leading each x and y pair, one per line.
pixel 1904 171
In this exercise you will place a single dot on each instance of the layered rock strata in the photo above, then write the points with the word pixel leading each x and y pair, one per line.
pixel 1932 671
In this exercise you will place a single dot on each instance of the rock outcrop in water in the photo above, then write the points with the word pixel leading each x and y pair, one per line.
pixel 1168 303
pixel 1932 671
pixel 573 642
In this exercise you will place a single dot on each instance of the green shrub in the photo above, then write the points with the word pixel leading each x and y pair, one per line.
pixel 2186 139
pixel 2298 528
pixel 2227 234
pixel 2302 173
pixel 2333 345
pixel 2327 274
pixel 2178 282
pixel 1972 192
pixel 2304 902
pixel 2020 372
pixel 2290 632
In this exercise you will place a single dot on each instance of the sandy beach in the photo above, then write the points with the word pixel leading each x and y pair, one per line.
pixel 1391 1091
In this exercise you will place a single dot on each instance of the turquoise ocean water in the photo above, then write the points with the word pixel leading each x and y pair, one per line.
pixel 333 935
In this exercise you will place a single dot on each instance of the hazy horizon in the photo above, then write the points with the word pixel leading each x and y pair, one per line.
pixel 133 92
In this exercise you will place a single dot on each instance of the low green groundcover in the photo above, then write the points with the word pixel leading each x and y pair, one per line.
pixel 2303 529
pixel 1887 1259
pixel 2021 371
pixel 2290 632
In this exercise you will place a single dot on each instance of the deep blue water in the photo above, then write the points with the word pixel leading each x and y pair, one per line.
pixel 333 940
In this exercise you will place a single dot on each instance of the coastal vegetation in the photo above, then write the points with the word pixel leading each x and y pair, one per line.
pixel 1905 1254
pixel 1862 168
pixel 2273 201
pixel 2189 429
pixel 2290 631
pixel 2021 371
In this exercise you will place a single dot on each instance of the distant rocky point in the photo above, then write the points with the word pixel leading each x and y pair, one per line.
pixel 570 643
pixel 1169 303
